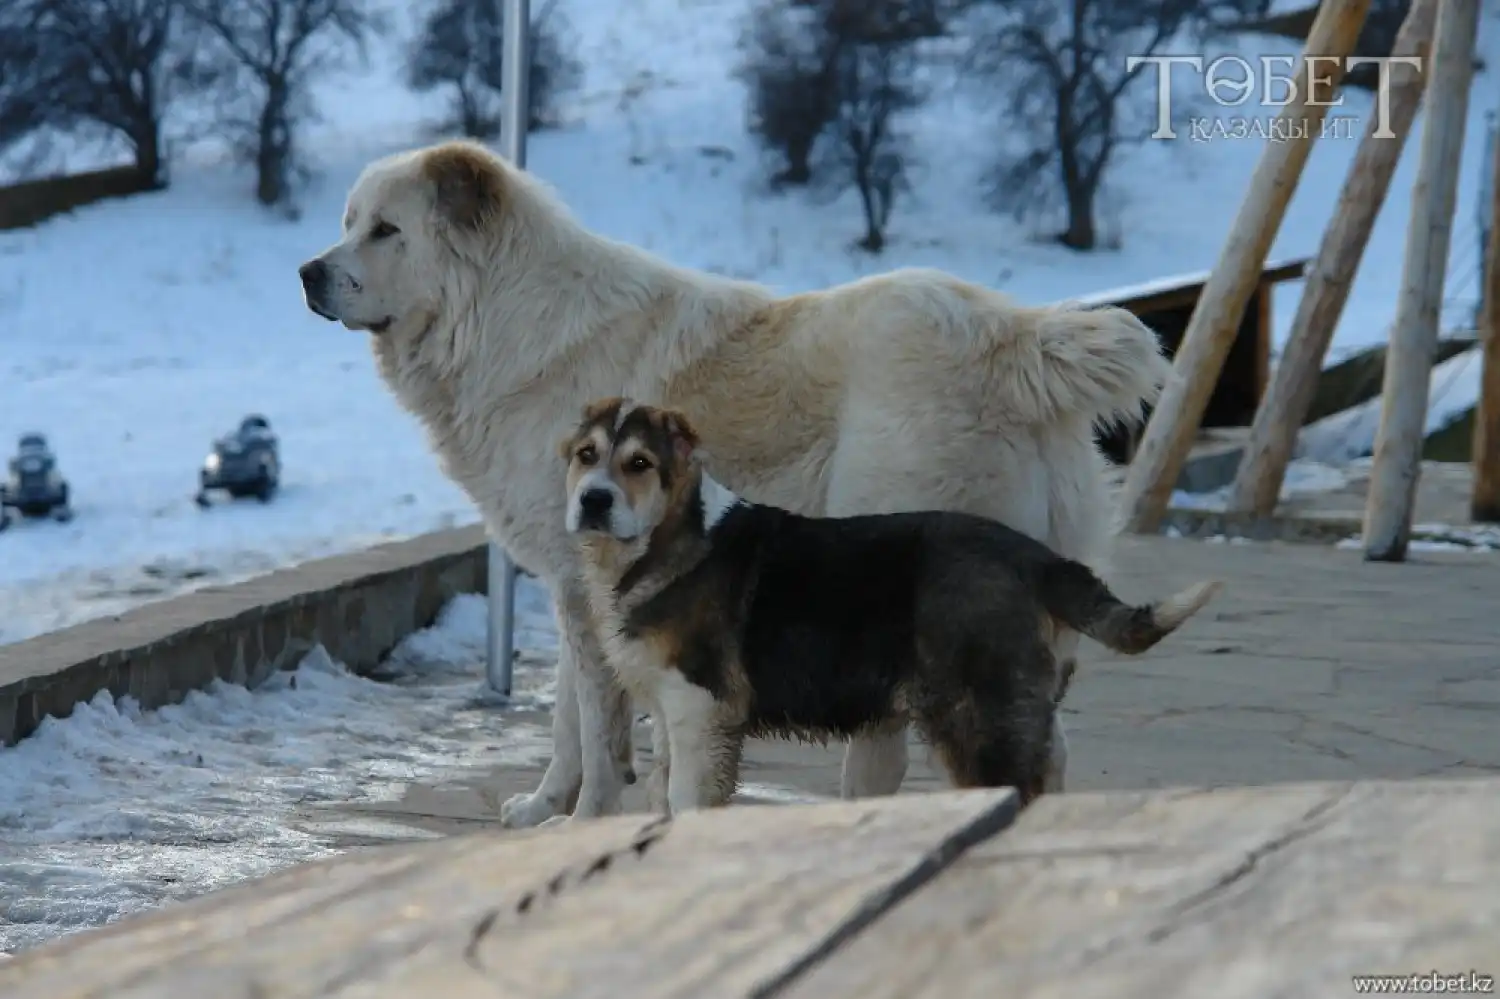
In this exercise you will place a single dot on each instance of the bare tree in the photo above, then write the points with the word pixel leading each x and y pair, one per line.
pixel 461 47
pixel 278 47
pixel 788 67
pixel 809 64
pixel 828 82
pixel 1068 92
pixel 874 85
pixel 116 63
pixel 23 105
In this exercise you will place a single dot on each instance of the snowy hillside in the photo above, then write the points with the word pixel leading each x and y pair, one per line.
pixel 135 331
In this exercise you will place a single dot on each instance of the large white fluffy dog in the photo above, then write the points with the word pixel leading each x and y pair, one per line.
pixel 494 316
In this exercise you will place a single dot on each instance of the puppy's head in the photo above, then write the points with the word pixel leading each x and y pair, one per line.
pixel 409 222
pixel 630 470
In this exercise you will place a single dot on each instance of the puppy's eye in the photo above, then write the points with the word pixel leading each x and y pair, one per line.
pixel 638 464
pixel 586 455
pixel 383 230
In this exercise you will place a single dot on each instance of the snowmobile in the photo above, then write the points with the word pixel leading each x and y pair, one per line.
pixel 33 486
pixel 246 462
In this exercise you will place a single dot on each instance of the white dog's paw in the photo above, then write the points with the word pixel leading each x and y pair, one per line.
pixel 556 820
pixel 527 811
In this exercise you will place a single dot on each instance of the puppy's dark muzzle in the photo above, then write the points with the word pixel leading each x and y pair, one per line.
pixel 315 282
pixel 594 508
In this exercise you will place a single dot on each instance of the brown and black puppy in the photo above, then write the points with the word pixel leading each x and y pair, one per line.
pixel 730 619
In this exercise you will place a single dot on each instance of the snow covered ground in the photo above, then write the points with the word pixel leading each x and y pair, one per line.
pixel 114 810
pixel 133 332
pixel 1452 391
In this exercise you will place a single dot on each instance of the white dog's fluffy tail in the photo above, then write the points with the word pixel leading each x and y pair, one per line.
pixel 1099 363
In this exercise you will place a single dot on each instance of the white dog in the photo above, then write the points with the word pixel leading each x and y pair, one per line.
pixel 494 316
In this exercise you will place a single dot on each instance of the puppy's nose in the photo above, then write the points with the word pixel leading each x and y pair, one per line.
pixel 314 276
pixel 596 502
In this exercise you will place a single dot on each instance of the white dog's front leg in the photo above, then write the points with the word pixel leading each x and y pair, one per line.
pixel 603 711
pixel 602 706
pixel 565 771
pixel 874 764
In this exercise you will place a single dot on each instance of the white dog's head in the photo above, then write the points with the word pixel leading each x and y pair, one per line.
pixel 407 218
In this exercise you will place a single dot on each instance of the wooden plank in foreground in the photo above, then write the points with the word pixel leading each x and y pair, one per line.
pixel 1248 892
pixel 711 904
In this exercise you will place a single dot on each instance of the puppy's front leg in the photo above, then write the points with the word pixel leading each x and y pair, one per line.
pixel 687 714
pixel 661 763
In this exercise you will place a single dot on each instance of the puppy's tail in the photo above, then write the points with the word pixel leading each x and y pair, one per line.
pixel 1075 596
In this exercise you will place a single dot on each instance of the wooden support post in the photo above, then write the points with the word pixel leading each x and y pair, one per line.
pixel 1485 503
pixel 1408 359
pixel 1273 434
pixel 1216 319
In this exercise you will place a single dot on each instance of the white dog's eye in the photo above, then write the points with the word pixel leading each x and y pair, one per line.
pixel 586 455
pixel 638 464
pixel 383 230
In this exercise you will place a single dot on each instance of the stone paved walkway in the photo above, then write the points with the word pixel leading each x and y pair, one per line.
pixel 1311 665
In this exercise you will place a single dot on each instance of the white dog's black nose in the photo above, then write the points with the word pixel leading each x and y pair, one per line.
pixel 595 505
pixel 314 276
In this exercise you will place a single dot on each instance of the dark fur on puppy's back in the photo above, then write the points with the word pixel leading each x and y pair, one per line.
pixel 828 627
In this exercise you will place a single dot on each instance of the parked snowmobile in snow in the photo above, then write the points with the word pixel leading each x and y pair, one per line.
pixel 33 486
pixel 246 462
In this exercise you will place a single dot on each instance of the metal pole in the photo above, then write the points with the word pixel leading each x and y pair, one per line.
pixel 516 67
pixel 1482 215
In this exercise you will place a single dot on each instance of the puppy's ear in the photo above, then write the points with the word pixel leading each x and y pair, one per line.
pixel 604 411
pixel 468 185
pixel 684 435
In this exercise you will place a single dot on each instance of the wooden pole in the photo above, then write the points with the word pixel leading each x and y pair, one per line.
pixel 1273 434
pixel 1485 503
pixel 1211 331
pixel 1408 359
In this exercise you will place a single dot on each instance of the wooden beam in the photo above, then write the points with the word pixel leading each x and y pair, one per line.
pixel 1408 363
pixel 1234 893
pixel 1225 892
pixel 1484 504
pixel 709 904
pixel 1280 416
pixel 1263 326
pixel 1195 370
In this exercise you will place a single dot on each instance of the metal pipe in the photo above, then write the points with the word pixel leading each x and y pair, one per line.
pixel 515 70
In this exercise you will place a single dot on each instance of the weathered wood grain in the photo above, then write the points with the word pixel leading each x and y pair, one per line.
pixel 1178 413
pixel 1414 332
pixel 313 929
pixel 1284 409
pixel 708 905
pixel 1284 891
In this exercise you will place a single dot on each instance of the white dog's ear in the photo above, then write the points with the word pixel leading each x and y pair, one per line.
pixel 468 183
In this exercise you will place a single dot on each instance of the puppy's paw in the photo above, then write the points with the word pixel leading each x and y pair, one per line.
pixel 656 791
pixel 527 811
pixel 556 820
